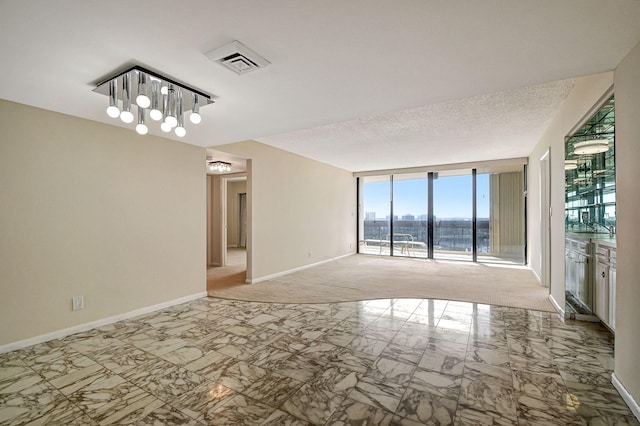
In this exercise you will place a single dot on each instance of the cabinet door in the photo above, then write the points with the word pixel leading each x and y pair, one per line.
pixel 570 273
pixel 612 298
pixel 583 280
pixel 602 291
pixel 568 285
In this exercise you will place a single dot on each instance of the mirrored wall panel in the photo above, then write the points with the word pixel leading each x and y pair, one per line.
pixel 590 175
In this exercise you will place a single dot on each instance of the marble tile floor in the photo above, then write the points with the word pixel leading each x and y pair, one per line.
pixel 377 362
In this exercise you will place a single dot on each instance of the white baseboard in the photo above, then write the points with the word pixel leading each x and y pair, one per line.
pixel 557 306
pixel 633 405
pixel 291 271
pixel 98 323
pixel 535 274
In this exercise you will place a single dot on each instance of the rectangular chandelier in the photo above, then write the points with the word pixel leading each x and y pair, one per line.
pixel 219 166
pixel 166 100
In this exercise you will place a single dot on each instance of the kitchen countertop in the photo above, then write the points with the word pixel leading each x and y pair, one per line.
pixel 604 239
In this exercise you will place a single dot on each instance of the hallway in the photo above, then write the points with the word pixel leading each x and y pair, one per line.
pixel 234 273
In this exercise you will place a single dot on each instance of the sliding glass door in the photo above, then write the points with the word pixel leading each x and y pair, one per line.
pixel 376 212
pixel 483 228
pixel 410 215
pixel 453 215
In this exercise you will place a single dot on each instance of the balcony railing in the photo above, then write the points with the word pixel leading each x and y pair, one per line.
pixel 448 235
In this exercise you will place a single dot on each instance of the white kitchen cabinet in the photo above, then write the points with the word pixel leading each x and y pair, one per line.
pixel 602 290
pixel 612 290
pixel 605 285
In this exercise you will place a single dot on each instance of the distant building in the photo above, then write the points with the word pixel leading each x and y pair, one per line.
pixel 409 217
pixel 422 217
pixel 370 216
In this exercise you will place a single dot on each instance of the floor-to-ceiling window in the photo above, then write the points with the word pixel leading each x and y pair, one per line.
pixel 483 228
pixel 375 215
pixel 453 215
pixel 473 214
pixel 410 215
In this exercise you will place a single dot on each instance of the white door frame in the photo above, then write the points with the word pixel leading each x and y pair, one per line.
pixel 216 219
pixel 545 218
pixel 224 182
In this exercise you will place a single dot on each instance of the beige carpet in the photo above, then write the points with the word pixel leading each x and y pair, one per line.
pixel 362 277
pixel 234 273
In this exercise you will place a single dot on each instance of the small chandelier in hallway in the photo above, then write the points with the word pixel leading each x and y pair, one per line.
pixel 218 166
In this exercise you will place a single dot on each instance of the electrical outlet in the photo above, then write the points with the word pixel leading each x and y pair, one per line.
pixel 77 303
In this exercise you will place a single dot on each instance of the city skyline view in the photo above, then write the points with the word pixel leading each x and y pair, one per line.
pixel 452 198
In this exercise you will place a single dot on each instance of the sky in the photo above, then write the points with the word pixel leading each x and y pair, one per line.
pixel 451 197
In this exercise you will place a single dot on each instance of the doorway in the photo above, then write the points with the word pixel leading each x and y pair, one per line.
pixel 242 220
pixel 227 230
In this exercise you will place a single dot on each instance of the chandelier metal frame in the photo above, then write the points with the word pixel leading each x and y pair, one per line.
pixel 167 100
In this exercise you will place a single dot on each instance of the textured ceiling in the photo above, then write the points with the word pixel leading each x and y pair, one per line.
pixel 332 61
pixel 504 124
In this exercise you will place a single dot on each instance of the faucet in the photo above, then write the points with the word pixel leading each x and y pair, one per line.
pixel 610 228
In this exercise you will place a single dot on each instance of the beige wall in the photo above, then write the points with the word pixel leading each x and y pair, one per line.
pixel 233 191
pixel 627 92
pixel 93 210
pixel 584 95
pixel 300 211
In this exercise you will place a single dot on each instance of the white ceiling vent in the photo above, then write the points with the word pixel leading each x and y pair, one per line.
pixel 237 57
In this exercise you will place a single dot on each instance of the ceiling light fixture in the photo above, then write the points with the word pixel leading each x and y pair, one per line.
pixel 594 146
pixel 165 103
pixel 195 111
pixel 170 115
pixel 180 130
pixel 126 115
pixel 165 127
pixel 112 110
pixel 141 128
pixel 142 100
pixel 155 113
pixel 219 166
pixel 570 164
